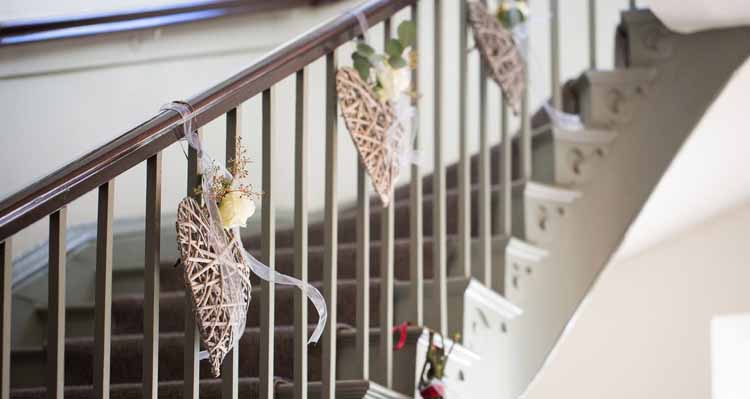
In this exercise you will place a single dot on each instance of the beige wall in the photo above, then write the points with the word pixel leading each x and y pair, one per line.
pixel 644 330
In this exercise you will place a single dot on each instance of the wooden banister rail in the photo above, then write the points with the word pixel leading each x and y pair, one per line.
pixel 26 31
pixel 144 141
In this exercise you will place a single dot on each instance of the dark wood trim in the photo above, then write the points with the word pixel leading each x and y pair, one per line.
pixel 135 146
pixel 54 28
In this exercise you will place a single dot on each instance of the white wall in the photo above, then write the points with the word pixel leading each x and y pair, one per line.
pixel 644 330
pixel 26 9
pixel 62 99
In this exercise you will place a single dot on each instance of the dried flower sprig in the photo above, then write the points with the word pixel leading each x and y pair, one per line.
pixel 234 198
pixel 238 167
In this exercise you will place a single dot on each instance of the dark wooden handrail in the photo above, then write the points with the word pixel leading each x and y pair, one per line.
pixel 135 146
pixel 65 27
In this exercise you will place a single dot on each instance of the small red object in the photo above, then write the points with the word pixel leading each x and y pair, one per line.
pixel 435 390
pixel 402 329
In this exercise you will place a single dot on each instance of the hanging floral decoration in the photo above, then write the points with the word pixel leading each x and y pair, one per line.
pixel 375 98
pixel 431 378
pixel 500 50
pixel 216 266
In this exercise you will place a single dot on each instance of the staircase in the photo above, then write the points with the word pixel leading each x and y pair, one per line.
pixel 587 187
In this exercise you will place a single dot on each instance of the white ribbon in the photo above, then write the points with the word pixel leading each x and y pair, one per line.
pixel 564 120
pixel 231 278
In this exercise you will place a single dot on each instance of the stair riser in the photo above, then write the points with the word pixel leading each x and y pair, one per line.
pixel 348 225
pixel 172 280
pixel 127 360
pixel 127 313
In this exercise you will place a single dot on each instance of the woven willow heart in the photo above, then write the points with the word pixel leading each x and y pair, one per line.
pixel 499 52
pixel 369 123
pixel 217 310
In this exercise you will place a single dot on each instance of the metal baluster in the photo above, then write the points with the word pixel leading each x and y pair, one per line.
pixel 151 278
pixel 386 276
pixel 504 216
pixel 6 263
pixel 103 312
pixel 440 288
pixel 362 340
pixel 56 304
pixel 191 382
pixel 268 213
pixel 300 236
pixel 416 247
pixel 229 368
pixel 363 273
pixel 592 34
pixel 505 168
pixel 464 162
pixel 485 195
pixel 330 263
pixel 554 33
pixel 526 151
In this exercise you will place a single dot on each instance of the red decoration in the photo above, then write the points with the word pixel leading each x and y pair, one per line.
pixel 402 329
pixel 436 390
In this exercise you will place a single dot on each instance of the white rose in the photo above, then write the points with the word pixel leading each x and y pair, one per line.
pixel 235 208
pixel 393 82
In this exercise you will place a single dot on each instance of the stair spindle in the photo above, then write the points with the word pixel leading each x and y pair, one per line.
pixel 330 264
pixel 504 217
pixel 300 235
pixel 386 275
pixel 268 244
pixel 6 262
pixel 592 34
pixel 554 36
pixel 103 312
pixel 229 368
pixel 363 273
pixel 440 287
pixel 56 301
pixel 464 162
pixel 192 344
pixel 362 340
pixel 416 247
pixel 485 195
pixel 151 279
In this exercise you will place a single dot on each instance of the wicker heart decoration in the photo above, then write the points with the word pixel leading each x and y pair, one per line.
pixel 499 52
pixel 220 290
pixel 371 126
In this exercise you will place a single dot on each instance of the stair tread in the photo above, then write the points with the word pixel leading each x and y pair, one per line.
pixel 126 356
pixel 209 389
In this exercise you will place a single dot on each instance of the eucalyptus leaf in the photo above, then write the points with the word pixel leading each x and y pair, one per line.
pixel 397 62
pixel 407 33
pixel 362 65
pixel 365 49
pixel 394 48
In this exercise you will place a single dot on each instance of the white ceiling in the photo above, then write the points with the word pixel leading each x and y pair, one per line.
pixel 693 15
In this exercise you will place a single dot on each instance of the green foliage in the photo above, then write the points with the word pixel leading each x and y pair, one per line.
pixel 365 50
pixel 362 65
pixel 407 33
pixel 397 62
pixel 365 58
pixel 394 48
